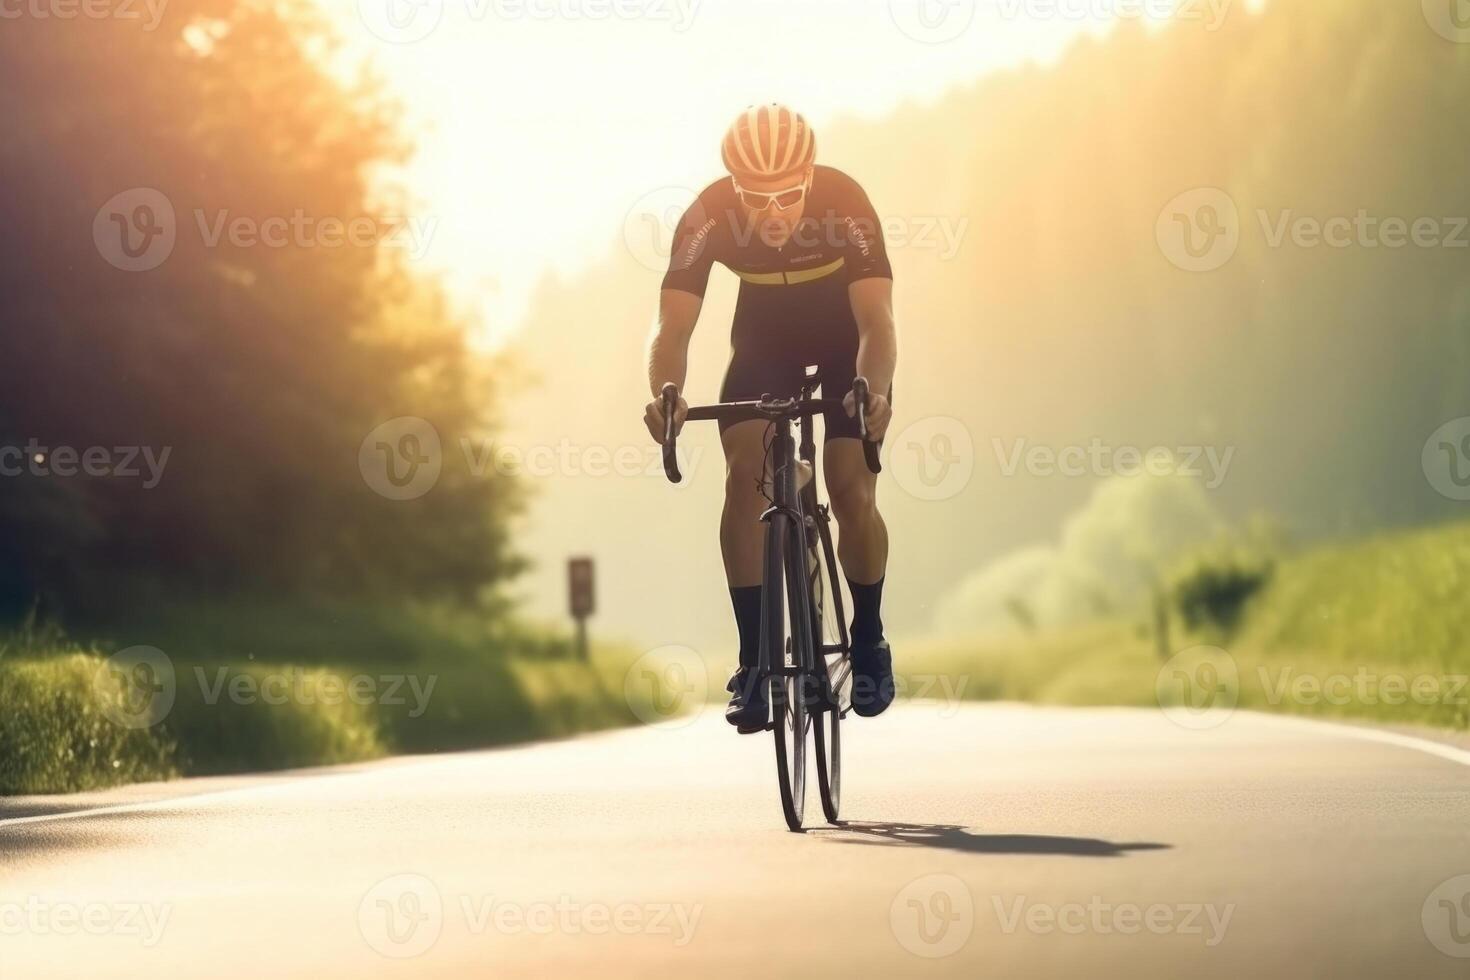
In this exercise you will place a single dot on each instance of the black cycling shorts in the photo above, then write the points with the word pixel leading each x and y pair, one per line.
pixel 757 370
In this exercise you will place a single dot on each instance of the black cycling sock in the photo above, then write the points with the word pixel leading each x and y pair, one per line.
pixel 867 617
pixel 747 602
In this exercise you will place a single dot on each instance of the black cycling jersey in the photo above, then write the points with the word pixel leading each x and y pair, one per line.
pixel 793 309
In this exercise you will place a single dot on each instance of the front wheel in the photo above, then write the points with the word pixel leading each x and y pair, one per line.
pixel 831 641
pixel 790 719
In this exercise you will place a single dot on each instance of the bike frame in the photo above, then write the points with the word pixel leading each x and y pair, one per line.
pixel 792 514
pixel 798 549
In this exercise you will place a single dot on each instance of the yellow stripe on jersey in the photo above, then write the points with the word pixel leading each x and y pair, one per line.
pixel 790 278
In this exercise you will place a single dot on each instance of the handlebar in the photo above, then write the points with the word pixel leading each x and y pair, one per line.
pixel 870 449
pixel 767 408
pixel 670 394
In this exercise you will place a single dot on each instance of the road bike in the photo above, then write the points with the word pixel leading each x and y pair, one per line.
pixel 805 650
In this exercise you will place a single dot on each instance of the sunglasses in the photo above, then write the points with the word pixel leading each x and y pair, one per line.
pixel 783 200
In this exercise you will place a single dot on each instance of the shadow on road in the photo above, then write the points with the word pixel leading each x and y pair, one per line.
pixel 953 837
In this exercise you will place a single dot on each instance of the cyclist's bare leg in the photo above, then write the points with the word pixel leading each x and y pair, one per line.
pixel 862 539
pixel 742 535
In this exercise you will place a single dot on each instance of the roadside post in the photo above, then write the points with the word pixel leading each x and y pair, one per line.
pixel 580 587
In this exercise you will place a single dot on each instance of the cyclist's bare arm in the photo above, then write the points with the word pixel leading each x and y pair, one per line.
pixel 877 358
pixel 668 354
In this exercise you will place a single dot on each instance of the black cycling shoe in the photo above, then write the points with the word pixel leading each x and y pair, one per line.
pixel 872 678
pixel 749 710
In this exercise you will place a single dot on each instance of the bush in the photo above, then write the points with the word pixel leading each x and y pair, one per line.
pixel 1213 591
pixel 55 737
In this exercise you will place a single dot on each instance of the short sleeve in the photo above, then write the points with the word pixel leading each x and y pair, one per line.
pixel 692 254
pixel 863 245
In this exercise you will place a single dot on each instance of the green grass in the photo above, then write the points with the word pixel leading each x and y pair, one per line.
pixel 55 738
pixel 1377 629
pixel 280 689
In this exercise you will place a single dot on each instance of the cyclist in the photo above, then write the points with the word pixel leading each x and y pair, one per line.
pixel 816 288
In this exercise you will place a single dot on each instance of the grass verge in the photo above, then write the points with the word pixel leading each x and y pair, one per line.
pixel 71 719
pixel 1377 630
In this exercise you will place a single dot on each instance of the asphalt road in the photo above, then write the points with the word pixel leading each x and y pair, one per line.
pixel 984 841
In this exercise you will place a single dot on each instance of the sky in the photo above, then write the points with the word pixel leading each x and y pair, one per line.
pixel 544 126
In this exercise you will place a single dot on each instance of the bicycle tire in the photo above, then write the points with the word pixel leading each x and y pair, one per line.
pixel 789 718
pixel 826 598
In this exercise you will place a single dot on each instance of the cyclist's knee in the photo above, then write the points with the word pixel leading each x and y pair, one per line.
pixel 743 487
pixel 853 501
pixel 745 462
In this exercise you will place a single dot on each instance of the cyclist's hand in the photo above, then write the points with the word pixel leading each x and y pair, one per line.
pixel 880 413
pixel 653 417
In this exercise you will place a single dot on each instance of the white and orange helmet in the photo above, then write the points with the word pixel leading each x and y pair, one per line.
pixel 769 141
